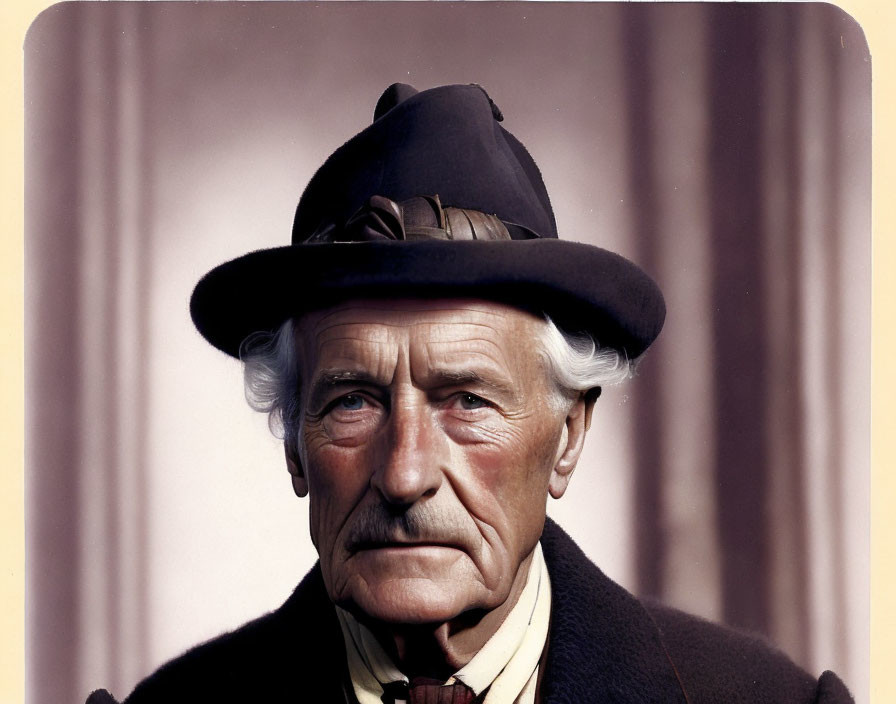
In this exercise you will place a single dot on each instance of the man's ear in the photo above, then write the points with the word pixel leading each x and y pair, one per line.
pixel 294 467
pixel 572 440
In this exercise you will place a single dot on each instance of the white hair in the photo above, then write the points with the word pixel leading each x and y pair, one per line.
pixel 575 362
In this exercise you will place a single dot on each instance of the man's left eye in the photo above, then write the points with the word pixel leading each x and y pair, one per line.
pixel 471 402
pixel 350 402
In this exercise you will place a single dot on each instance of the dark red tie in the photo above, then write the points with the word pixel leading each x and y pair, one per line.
pixel 424 690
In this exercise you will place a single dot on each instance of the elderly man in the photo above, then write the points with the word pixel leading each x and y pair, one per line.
pixel 433 353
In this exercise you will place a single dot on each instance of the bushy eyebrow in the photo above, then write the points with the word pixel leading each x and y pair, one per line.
pixel 329 379
pixel 332 378
pixel 461 377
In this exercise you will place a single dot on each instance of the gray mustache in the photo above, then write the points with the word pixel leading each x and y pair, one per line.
pixel 377 525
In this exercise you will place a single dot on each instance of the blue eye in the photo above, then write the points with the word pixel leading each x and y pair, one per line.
pixel 350 402
pixel 471 402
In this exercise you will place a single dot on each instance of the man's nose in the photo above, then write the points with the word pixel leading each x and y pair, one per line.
pixel 414 455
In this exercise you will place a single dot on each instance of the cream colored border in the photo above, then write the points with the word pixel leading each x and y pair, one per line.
pixel 15 17
pixel 877 18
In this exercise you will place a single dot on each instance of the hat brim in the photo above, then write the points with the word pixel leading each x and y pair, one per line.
pixel 582 287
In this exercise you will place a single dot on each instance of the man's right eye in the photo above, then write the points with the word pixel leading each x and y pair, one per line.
pixel 349 402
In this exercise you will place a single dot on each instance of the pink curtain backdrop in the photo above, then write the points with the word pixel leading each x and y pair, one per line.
pixel 724 147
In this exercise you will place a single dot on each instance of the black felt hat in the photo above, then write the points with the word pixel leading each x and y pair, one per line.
pixel 434 199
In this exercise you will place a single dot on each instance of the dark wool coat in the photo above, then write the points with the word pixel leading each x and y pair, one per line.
pixel 604 646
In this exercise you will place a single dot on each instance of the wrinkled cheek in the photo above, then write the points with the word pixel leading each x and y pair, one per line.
pixel 336 485
pixel 511 495
pixel 491 465
pixel 475 435
pixel 316 512
pixel 338 472
pixel 324 529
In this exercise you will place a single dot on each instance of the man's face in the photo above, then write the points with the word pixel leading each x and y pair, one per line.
pixel 428 441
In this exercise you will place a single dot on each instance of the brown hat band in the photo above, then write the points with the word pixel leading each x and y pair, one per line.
pixel 422 217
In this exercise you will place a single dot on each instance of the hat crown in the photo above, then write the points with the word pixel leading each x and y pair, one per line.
pixel 444 141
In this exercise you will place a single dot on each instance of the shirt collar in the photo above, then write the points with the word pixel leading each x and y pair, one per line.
pixel 506 662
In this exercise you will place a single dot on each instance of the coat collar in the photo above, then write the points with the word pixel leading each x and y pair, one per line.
pixel 603 645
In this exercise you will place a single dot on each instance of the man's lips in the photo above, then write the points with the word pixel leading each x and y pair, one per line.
pixel 365 545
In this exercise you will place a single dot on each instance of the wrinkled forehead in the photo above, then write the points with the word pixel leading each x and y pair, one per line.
pixel 409 312
pixel 506 331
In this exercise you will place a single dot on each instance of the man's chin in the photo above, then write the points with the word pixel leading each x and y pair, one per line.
pixel 419 585
pixel 411 602
pixel 403 608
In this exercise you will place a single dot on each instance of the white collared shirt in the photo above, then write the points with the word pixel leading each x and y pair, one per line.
pixel 508 662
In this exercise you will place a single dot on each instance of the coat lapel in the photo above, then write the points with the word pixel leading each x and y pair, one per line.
pixel 318 670
pixel 603 645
